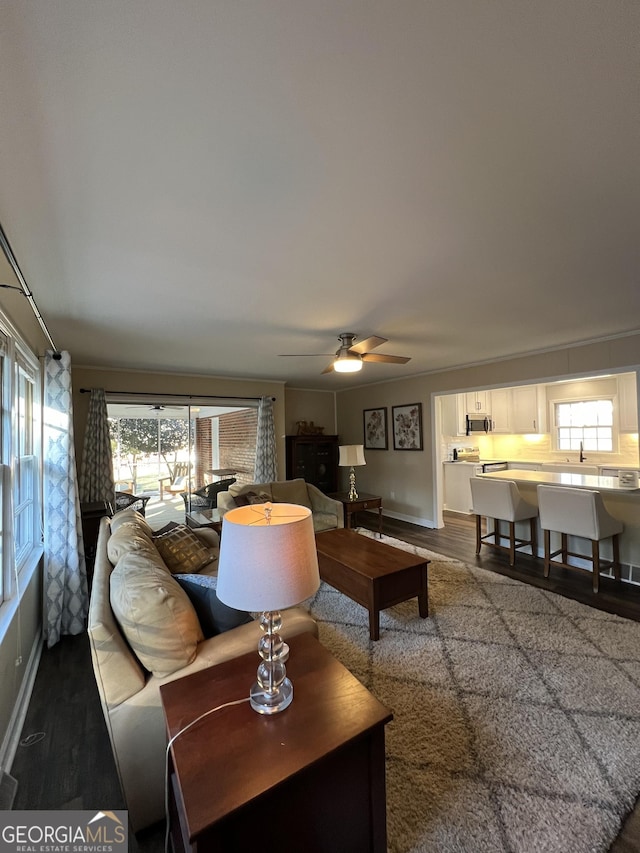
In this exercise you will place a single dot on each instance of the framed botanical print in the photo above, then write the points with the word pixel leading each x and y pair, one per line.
pixel 375 429
pixel 407 426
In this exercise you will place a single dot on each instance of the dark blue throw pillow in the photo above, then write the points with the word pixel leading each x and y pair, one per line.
pixel 214 616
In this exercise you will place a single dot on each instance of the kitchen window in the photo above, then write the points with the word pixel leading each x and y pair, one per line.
pixel 586 423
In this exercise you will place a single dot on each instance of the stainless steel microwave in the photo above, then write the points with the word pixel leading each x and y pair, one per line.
pixel 479 423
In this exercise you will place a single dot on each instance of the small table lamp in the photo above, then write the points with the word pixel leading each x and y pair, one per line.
pixel 351 455
pixel 268 561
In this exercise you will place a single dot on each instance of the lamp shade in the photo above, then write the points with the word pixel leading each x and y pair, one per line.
pixel 351 454
pixel 268 558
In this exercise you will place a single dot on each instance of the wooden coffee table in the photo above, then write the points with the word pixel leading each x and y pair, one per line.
pixel 371 573
pixel 309 778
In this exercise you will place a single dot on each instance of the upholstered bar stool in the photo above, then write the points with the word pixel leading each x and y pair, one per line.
pixel 501 500
pixel 580 513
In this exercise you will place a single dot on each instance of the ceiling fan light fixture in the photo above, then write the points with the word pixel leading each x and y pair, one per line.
pixel 347 362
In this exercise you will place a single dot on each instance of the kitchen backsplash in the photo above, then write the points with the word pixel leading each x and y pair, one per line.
pixel 537 448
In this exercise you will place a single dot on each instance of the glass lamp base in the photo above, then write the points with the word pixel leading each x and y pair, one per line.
pixel 353 495
pixel 265 702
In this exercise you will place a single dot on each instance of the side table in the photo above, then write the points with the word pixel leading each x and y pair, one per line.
pixel 309 778
pixel 362 502
pixel 205 518
pixel 91 514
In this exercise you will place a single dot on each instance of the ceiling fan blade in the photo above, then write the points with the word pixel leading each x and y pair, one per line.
pixel 368 344
pixel 304 354
pixel 388 359
pixel 328 368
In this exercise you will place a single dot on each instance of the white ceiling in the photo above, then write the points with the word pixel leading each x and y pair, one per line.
pixel 197 186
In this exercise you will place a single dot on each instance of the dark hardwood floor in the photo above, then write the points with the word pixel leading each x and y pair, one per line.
pixel 457 539
pixel 65 761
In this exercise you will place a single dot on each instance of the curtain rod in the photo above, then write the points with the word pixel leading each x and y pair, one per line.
pixel 24 289
pixel 186 396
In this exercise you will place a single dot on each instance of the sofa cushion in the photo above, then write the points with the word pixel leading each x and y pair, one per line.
pixel 250 498
pixel 131 516
pixel 215 617
pixel 182 551
pixel 291 492
pixel 127 537
pixel 154 613
pixel 261 488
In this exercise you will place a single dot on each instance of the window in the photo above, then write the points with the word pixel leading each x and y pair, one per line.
pixel 586 422
pixel 5 410
pixel 25 481
pixel 20 448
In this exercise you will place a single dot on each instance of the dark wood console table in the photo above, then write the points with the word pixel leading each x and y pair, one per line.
pixel 309 778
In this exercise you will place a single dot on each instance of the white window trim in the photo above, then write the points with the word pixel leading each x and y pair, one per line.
pixel 17 578
pixel 589 398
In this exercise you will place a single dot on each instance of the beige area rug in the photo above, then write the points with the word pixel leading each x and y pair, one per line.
pixel 516 712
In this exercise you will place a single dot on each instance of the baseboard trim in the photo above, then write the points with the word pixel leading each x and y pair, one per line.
pixel 16 723
pixel 411 519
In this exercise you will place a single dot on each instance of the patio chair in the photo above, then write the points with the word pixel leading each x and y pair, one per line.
pixel 207 496
pixel 124 500
pixel 178 483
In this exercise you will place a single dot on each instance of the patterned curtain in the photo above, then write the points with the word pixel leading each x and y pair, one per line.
pixel 266 454
pixel 65 574
pixel 96 476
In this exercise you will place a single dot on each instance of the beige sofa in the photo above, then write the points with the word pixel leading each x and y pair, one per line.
pixel 157 619
pixel 327 513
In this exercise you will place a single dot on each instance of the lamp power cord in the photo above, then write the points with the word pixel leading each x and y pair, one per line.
pixel 166 761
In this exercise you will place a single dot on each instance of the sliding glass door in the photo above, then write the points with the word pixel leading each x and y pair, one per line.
pixel 168 451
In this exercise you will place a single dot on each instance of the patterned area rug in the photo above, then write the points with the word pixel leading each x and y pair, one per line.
pixel 516 712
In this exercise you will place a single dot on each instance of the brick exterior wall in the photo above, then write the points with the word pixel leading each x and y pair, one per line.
pixel 236 441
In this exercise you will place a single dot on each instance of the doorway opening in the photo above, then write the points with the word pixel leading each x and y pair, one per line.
pixel 167 452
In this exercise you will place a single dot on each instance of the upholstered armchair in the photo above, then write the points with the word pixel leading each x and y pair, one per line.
pixel 207 496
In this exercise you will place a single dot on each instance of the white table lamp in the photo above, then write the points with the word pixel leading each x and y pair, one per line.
pixel 352 455
pixel 268 561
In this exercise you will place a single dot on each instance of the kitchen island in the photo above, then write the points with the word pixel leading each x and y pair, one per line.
pixel 623 502
pixel 563 478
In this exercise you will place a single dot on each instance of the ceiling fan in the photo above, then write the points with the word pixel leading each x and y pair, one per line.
pixel 157 407
pixel 349 356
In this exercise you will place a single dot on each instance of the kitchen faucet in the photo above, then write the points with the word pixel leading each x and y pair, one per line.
pixel 582 456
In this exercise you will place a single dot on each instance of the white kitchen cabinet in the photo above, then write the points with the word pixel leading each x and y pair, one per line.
pixel 627 403
pixel 457 488
pixel 451 414
pixel 525 466
pixel 528 414
pixel 608 472
pixel 477 402
pixel 501 410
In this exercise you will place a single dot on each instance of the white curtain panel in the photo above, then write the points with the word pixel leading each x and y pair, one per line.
pixel 96 476
pixel 65 574
pixel 266 453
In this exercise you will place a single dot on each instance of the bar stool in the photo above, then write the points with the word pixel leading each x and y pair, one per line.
pixel 501 500
pixel 581 513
